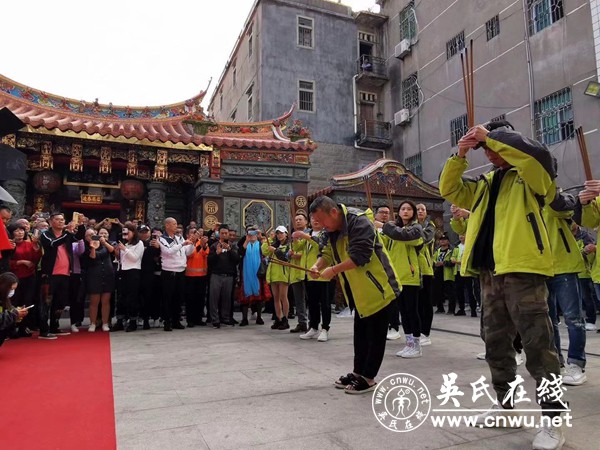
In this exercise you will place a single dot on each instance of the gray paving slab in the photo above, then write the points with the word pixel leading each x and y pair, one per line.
pixel 253 387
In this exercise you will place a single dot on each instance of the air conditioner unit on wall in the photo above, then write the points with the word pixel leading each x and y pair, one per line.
pixel 402 49
pixel 402 117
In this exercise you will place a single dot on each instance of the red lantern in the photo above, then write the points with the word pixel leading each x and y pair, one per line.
pixel 132 189
pixel 46 182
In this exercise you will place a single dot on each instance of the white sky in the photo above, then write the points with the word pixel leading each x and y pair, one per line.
pixel 128 52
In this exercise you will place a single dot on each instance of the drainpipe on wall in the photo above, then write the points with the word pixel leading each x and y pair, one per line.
pixel 355 103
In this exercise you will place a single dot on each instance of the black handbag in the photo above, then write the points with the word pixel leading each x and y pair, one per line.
pixel 262 269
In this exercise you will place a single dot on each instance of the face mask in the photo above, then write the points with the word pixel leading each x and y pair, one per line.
pixel 11 293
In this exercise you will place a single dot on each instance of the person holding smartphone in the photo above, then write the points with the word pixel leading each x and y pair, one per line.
pixel 24 260
pixel 131 251
pixel 9 315
pixel 99 275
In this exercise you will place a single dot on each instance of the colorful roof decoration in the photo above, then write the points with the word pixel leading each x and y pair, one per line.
pixel 385 177
pixel 180 123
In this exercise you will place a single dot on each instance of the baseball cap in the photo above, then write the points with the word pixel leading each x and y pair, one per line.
pixel 444 236
pixel 282 229
pixel 143 229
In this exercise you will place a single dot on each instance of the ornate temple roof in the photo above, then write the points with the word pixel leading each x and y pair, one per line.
pixel 179 123
pixel 384 177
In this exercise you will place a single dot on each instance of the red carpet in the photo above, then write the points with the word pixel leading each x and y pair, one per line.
pixel 57 394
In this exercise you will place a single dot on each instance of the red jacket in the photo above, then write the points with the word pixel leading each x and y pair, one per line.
pixel 24 250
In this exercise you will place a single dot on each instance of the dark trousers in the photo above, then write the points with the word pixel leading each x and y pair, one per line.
pixel 459 293
pixel 76 298
pixel 172 284
pixel 150 295
pixel 425 305
pixel 409 309
pixel 24 296
pixel 443 290
pixel 220 297
pixel 129 295
pixel 586 288
pixel 395 314
pixel 469 290
pixel 52 304
pixel 195 298
pixel 319 304
pixel 369 342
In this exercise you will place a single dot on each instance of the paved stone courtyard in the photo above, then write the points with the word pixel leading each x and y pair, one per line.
pixel 253 387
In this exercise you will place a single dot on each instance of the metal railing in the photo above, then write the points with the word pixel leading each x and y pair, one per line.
pixel 375 129
pixel 371 65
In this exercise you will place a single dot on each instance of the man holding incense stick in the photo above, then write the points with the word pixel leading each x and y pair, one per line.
pixel 508 246
pixel 355 254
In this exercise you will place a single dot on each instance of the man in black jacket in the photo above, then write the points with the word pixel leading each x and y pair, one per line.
pixel 223 260
pixel 57 265
pixel 150 287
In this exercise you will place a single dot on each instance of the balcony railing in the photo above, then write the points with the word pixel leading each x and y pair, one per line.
pixel 375 134
pixel 372 70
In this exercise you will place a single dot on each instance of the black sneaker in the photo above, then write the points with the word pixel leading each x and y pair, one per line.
pixel 276 324
pixel 190 325
pixel 201 324
pixel 284 325
pixel 299 328
pixel 178 326
pixel 131 326
pixel 168 327
pixel 244 323
pixel 118 326
pixel 146 325
pixel 216 325
pixel 259 321
pixel 460 312
pixel 60 332
pixel 47 336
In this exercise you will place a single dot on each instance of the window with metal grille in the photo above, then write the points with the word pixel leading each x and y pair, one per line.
pixel 554 117
pixel 408 22
pixel 492 27
pixel 455 45
pixel 458 128
pixel 413 163
pixel 543 13
pixel 305 32
pixel 306 96
pixel 410 92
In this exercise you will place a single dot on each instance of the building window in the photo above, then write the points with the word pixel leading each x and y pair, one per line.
pixel 305 32
pixel 543 13
pixel 233 114
pixel 250 46
pixel 413 163
pixel 492 27
pixel 458 128
pixel 249 103
pixel 455 45
pixel 306 96
pixel 410 92
pixel 408 22
pixel 554 117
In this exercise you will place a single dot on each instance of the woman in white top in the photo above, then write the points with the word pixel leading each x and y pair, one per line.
pixel 131 250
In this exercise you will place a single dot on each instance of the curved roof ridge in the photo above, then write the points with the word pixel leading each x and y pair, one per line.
pixel 96 109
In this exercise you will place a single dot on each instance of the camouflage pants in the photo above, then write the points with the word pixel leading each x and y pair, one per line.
pixel 516 302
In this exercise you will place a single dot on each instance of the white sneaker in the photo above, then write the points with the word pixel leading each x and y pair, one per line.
pixel 310 334
pixel 324 336
pixel 574 375
pixel 404 350
pixel 425 340
pixel 92 328
pixel 519 359
pixel 74 328
pixel 497 411
pixel 105 327
pixel 481 356
pixel 549 438
pixel 414 351
pixel 393 335
pixel 346 313
pixel 590 327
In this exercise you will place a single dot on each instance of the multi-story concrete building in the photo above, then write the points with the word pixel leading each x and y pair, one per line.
pixel 533 61
pixel 307 52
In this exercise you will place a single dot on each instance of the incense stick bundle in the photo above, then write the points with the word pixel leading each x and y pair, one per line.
pixel 587 168
pixel 287 264
pixel 368 192
pixel 466 62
